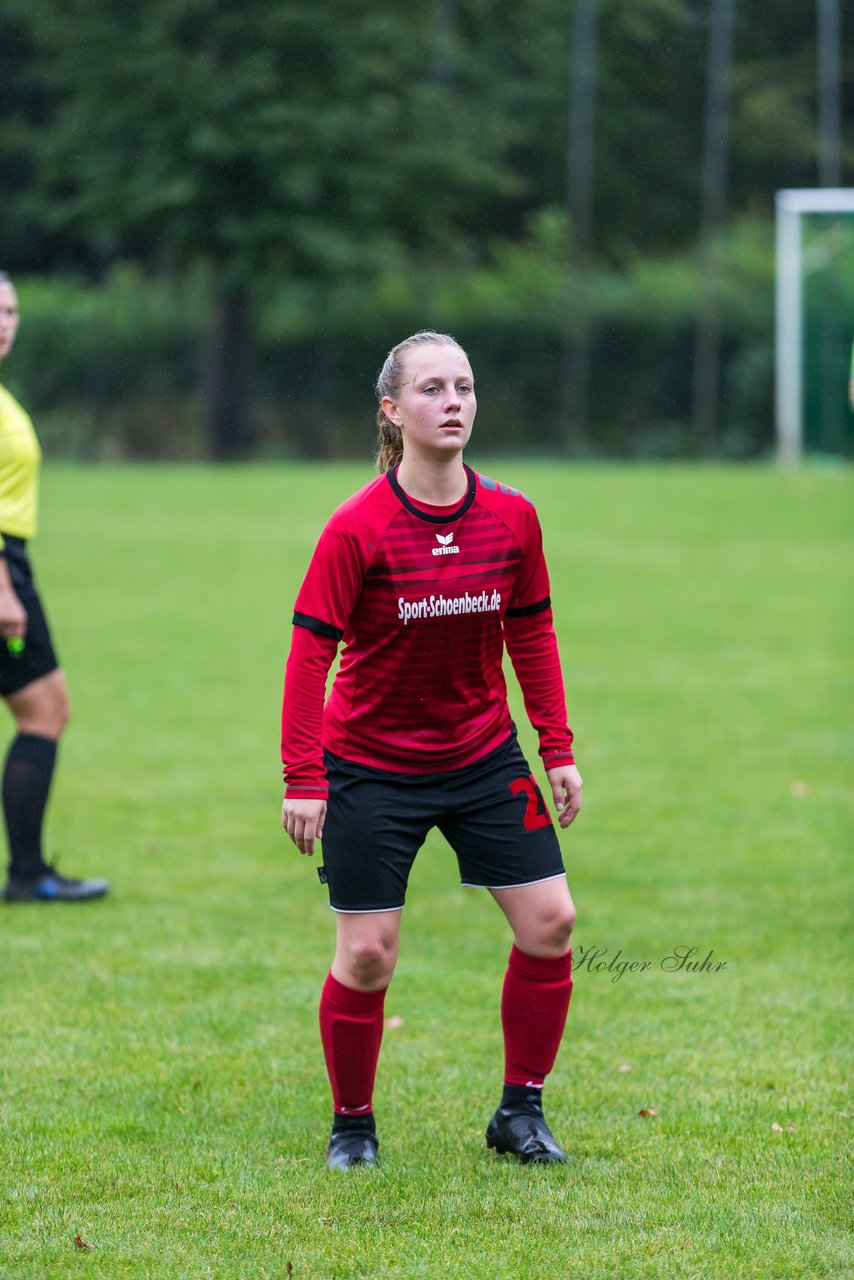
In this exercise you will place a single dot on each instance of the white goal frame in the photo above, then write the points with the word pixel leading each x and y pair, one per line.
pixel 789 410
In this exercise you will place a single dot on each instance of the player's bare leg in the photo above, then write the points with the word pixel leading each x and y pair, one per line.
pixel 366 948
pixel 542 916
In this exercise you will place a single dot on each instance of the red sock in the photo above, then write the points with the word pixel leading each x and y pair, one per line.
pixel 351 1029
pixel 534 1005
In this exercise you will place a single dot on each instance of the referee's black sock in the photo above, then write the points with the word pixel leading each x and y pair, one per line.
pixel 26 785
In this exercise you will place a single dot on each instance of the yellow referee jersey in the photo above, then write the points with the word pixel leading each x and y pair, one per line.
pixel 20 456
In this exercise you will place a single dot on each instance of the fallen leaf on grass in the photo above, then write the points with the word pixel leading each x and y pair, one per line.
pixel 800 788
pixel 627 1066
pixel 80 1243
pixel 394 1022
pixel 647 1111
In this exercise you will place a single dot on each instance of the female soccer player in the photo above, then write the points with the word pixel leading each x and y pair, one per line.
pixel 426 574
pixel 30 679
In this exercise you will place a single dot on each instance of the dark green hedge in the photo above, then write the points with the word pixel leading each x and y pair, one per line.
pixel 113 369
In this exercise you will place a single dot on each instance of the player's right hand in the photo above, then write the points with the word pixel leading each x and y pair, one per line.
pixel 303 820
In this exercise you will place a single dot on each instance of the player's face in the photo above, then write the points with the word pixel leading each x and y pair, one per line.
pixel 436 405
pixel 8 318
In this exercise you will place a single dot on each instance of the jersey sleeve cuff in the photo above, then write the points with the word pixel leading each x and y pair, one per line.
pixel 555 759
pixel 296 791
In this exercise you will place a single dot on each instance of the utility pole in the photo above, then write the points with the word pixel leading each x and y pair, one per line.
pixel 442 35
pixel 829 147
pixel 580 170
pixel 828 39
pixel 707 345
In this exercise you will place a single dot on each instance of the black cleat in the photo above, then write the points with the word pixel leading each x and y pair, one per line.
pixel 349 1147
pixel 52 887
pixel 521 1130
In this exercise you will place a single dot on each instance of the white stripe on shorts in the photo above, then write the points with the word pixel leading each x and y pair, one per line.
pixel 467 884
pixel 371 911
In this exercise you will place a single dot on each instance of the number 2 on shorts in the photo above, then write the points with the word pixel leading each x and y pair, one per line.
pixel 536 813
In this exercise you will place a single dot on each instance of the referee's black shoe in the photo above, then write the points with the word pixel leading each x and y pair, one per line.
pixel 518 1128
pixel 353 1141
pixel 52 887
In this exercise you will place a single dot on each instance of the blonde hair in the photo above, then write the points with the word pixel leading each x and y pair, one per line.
pixel 389 383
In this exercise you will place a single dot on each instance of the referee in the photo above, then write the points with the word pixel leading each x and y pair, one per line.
pixel 31 681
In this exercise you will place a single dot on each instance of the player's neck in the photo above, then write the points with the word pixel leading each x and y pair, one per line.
pixel 440 483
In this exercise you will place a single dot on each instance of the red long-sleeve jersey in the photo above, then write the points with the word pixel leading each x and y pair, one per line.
pixel 425 599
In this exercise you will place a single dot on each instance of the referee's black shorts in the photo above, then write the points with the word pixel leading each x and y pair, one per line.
pixel 39 656
pixel 492 813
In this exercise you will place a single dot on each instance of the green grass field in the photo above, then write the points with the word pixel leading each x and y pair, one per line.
pixel 162 1089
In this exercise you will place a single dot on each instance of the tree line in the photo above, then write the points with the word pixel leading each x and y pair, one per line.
pixel 582 188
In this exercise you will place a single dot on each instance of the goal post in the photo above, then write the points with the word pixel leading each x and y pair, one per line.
pixel 792 205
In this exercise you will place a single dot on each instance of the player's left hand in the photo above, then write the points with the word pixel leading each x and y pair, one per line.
pixel 566 784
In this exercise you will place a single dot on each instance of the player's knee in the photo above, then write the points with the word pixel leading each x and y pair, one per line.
pixel 561 929
pixel 553 932
pixel 370 962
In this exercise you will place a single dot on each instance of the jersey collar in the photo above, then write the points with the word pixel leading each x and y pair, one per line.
pixel 423 515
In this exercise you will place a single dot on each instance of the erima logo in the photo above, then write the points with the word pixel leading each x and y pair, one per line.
pixel 445 548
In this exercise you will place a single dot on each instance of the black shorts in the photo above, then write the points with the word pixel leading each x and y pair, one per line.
pixel 492 813
pixel 39 656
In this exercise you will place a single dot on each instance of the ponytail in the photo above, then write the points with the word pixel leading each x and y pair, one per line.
pixel 389 443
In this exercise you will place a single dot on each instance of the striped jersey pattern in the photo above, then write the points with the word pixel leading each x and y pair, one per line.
pixel 419 596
